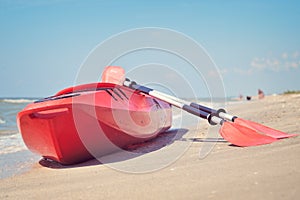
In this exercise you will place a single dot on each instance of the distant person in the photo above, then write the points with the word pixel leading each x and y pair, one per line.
pixel 261 94
pixel 241 97
pixel 248 98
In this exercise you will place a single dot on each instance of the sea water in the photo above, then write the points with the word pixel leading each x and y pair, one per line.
pixel 15 158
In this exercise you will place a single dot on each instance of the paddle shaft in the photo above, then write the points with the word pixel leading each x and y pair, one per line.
pixel 211 117
pixel 220 113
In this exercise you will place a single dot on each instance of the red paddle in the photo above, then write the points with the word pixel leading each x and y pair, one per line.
pixel 233 132
pixel 258 128
pixel 237 131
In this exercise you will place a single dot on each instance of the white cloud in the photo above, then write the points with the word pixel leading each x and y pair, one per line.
pixel 280 63
pixel 284 56
pixel 258 63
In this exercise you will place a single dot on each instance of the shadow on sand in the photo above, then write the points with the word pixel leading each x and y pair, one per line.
pixel 213 140
pixel 131 151
pixel 136 150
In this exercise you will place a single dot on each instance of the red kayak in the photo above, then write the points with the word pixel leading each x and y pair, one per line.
pixel 91 120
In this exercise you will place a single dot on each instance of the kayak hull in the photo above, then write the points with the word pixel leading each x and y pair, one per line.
pixel 89 121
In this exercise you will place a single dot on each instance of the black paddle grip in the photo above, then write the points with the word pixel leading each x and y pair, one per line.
pixel 203 108
pixel 195 111
pixel 135 86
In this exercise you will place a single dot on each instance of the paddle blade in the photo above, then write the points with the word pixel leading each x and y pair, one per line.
pixel 263 129
pixel 243 136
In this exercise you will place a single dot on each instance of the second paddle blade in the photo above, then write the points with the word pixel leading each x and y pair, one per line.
pixel 243 136
pixel 263 129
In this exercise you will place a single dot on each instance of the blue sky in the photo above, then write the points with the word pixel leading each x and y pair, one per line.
pixel 255 44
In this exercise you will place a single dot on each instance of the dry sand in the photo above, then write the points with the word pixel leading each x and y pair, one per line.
pixel 227 172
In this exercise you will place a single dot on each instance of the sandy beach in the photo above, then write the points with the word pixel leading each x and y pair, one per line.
pixel 223 171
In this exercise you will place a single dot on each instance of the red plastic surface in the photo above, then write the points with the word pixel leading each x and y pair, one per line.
pixel 263 129
pixel 67 130
pixel 243 136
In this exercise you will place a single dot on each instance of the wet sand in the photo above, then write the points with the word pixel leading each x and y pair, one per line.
pixel 207 168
